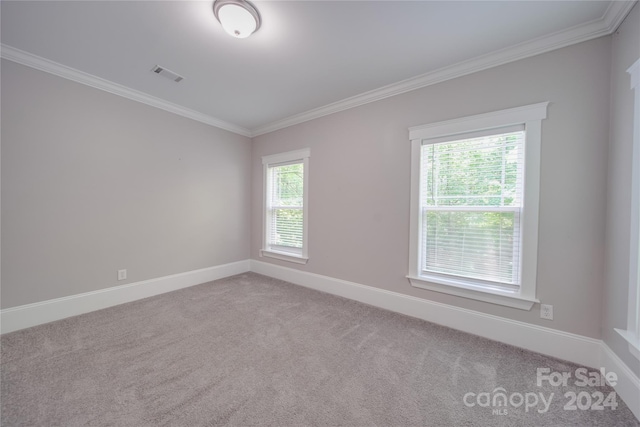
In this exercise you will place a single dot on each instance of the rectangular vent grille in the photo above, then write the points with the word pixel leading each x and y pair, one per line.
pixel 167 73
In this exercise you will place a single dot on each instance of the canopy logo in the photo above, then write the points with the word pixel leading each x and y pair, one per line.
pixel 593 399
pixel 499 401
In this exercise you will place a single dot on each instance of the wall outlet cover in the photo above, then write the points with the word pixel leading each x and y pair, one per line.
pixel 546 311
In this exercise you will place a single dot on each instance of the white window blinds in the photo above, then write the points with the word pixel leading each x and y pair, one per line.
pixel 285 194
pixel 471 200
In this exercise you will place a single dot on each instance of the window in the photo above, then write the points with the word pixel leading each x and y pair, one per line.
pixel 285 206
pixel 474 206
pixel 632 333
pixel 470 206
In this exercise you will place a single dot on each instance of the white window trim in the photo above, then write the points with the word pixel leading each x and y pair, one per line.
pixel 275 159
pixel 531 116
pixel 632 333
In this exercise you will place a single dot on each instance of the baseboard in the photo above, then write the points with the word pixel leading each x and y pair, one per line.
pixel 571 347
pixel 563 345
pixel 628 385
pixel 25 316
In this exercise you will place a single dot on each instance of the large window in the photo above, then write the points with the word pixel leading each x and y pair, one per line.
pixel 475 206
pixel 470 206
pixel 285 203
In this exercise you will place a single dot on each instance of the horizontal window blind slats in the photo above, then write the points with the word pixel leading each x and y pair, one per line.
pixel 487 272
pixel 292 208
pixel 470 243
pixel 286 227
pixel 471 208
pixel 471 198
pixel 285 205
pixel 509 147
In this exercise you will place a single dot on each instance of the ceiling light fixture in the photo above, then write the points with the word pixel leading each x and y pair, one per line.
pixel 238 17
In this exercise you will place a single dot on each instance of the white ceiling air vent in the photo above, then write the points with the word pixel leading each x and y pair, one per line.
pixel 167 73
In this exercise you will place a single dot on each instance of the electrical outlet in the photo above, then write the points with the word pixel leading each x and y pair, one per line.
pixel 546 311
pixel 122 274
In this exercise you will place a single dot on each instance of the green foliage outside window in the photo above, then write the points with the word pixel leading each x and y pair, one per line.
pixel 287 203
pixel 460 180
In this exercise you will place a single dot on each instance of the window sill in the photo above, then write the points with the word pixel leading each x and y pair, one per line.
pixel 634 342
pixel 505 298
pixel 284 256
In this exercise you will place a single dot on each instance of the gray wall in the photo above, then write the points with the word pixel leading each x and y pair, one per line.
pixel 359 180
pixel 93 183
pixel 625 51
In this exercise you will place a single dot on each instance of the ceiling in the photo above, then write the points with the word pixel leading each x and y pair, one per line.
pixel 309 58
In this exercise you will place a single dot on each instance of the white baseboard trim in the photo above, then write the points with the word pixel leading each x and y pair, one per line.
pixel 563 345
pixel 574 348
pixel 25 316
pixel 628 386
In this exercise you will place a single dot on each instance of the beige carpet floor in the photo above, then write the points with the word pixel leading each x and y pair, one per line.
pixel 254 351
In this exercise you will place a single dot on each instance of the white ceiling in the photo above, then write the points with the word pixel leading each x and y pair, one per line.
pixel 308 59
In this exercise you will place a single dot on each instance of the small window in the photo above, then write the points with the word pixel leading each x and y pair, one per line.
pixel 473 219
pixel 285 206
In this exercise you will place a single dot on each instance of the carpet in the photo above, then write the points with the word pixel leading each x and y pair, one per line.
pixel 250 350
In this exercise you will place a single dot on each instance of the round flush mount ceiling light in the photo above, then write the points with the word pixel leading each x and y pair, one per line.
pixel 238 17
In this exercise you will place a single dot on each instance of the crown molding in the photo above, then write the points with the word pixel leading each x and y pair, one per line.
pixel 616 12
pixel 606 25
pixel 30 60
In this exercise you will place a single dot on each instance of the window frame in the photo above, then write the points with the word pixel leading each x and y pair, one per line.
pixel 632 333
pixel 524 296
pixel 282 159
